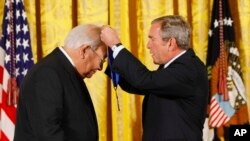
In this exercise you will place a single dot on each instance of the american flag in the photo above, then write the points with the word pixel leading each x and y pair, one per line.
pixel 227 91
pixel 15 60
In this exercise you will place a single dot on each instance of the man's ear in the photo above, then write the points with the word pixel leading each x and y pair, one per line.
pixel 82 50
pixel 172 43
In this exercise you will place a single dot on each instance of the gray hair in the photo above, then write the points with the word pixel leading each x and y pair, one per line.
pixel 87 34
pixel 174 26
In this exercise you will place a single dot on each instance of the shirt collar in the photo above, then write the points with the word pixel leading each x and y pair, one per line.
pixel 67 56
pixel 177 56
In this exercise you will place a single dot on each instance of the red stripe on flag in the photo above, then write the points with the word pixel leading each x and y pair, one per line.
pixel 214 118
pixel 3 137
pixel 9 110
pixel 1 72
pixel 220 119
pixel 215 112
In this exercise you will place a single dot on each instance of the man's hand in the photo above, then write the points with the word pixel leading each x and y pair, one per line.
pixel 109 36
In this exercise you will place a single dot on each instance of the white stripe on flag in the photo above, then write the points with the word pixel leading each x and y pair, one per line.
pixel 7 125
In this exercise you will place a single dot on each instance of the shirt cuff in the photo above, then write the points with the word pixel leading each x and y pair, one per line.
pixel 116 50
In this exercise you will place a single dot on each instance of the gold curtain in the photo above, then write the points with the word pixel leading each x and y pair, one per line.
pixel 51 20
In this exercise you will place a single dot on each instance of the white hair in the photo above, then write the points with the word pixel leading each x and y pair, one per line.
pixel 87 34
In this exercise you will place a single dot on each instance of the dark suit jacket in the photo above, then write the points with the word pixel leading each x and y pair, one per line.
pixel 54 104
pixel 175 102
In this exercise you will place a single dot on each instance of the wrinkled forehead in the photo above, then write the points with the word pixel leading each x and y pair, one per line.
pixel 155 30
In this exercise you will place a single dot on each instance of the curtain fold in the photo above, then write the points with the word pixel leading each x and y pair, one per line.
pixel 50 21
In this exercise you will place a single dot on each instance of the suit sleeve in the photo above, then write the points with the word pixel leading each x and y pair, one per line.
pixel 124 84
pixel 44 105
pixel 158 82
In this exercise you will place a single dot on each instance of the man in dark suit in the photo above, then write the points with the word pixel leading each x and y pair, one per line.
pixel 176 95
pixel 54 102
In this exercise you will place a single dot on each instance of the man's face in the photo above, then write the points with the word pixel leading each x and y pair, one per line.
pixel 94 60
pixel 158 47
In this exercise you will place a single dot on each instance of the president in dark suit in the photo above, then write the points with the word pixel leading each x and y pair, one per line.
pixel 54 102
pixel 176 95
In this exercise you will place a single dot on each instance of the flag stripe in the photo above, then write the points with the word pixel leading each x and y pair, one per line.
pixel 3 137
pixel 10 111
pixel 216 112
pixel 6 122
